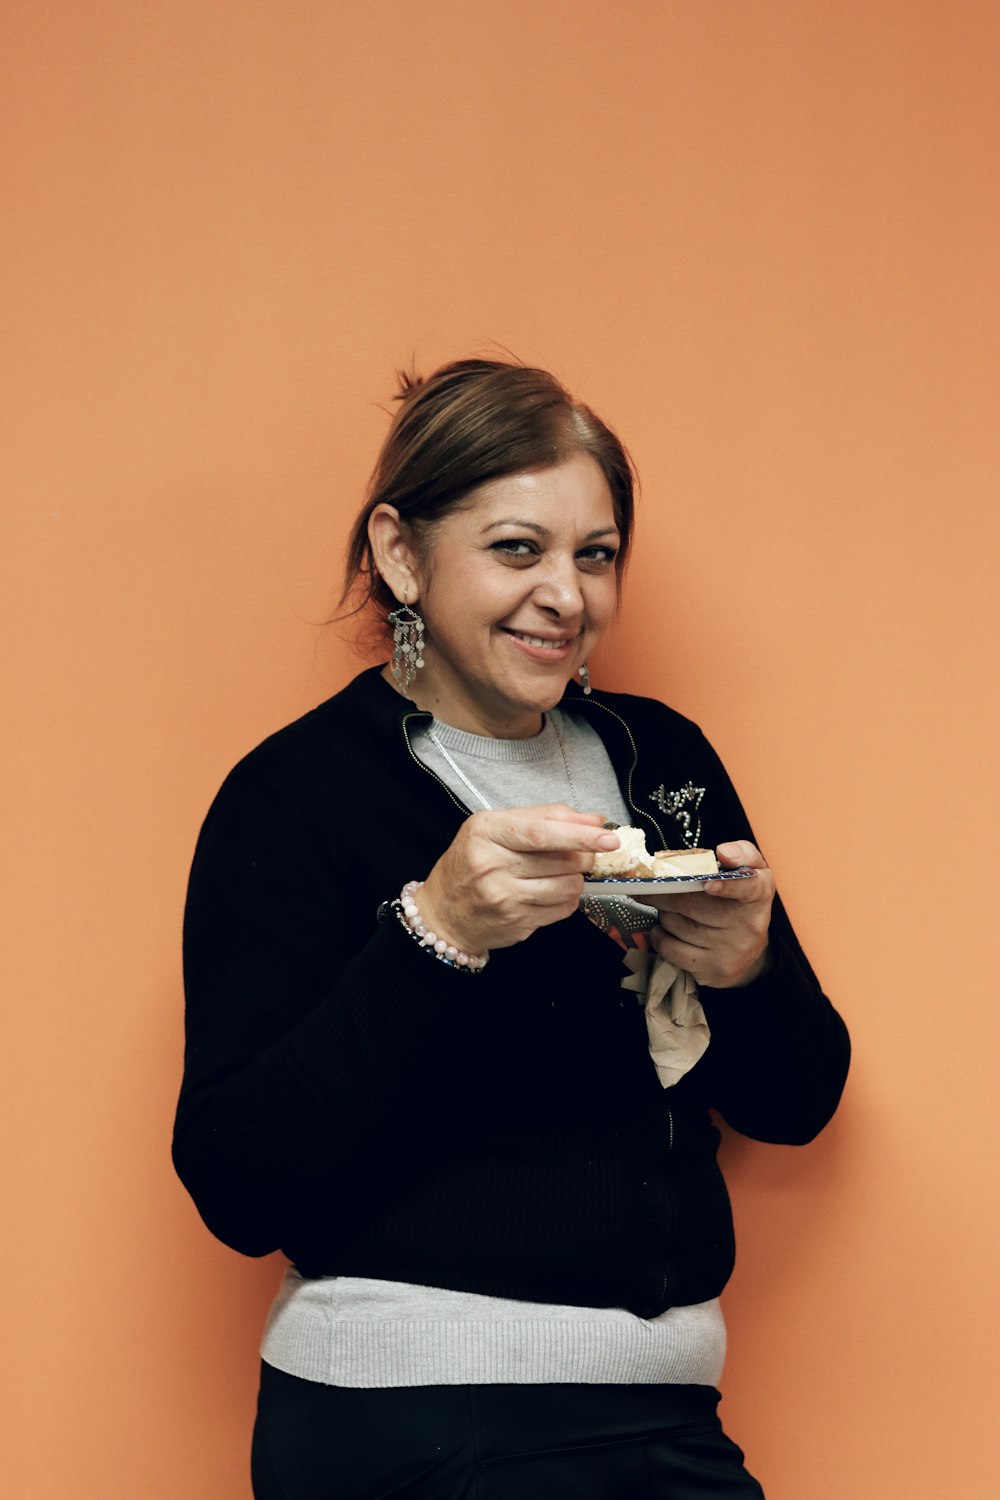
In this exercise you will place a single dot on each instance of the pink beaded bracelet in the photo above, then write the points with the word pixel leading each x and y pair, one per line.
pixel 406 910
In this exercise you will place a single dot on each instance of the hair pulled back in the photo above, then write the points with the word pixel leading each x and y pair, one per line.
pixel 465 424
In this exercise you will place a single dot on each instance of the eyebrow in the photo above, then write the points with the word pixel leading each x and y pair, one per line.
pixel 543 531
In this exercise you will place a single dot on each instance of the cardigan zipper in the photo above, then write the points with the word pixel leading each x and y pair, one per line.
pixel 426 769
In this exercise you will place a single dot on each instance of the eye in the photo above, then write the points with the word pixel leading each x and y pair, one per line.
pixel 519 549
pixel 598 556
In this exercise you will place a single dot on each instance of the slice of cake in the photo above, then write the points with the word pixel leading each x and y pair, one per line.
pixel 632 861
pixel 685 862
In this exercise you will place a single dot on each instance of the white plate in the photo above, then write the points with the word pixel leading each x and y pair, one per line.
pixel 663 885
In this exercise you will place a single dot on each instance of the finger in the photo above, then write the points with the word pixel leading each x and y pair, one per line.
pixel 701 908
pixel 689 956
pixel 693 904
pixel 757 887
pixel 739 853
pixel 683 930
pixel 560 812
pixel 544 864
pixel 742 854
pixel 529 830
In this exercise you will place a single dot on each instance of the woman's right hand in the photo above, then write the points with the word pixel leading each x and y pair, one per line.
pixel 509 872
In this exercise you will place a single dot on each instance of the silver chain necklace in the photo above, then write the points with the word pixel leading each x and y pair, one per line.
pixel 478 794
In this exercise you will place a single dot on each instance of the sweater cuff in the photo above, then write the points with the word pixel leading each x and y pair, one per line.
pixel 781 985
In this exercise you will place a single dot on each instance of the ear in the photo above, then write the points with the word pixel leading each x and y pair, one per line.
pixel 395 556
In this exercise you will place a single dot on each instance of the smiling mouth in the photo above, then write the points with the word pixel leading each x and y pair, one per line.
pixel 540 643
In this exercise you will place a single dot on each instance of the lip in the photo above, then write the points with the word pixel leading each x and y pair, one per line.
pixel 544 654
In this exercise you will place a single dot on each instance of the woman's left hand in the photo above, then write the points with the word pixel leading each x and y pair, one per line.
pixel 719 935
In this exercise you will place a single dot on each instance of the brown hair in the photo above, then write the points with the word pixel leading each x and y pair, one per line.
pixel 467 423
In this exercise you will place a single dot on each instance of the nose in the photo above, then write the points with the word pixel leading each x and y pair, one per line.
pixel 558 590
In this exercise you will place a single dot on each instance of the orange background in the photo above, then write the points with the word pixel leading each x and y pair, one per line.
pixel 761 238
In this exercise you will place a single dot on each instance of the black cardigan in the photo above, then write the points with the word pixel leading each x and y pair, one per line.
pixel 372 1112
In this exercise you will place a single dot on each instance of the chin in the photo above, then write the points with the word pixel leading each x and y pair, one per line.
pixel 541 697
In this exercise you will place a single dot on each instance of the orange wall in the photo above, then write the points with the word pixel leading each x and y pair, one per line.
pixel 761 236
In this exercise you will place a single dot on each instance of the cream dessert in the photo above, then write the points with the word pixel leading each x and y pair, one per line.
pixel 632 861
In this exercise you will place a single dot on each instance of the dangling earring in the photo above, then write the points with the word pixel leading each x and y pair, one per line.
pixel 407 645
pixel 585 677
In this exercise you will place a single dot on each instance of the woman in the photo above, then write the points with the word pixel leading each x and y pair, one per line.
pixel 506 1226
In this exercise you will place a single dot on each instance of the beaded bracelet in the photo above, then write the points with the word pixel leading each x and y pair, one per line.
pixel 406 910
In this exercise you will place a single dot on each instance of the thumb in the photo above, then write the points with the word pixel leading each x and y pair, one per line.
pixel 738 853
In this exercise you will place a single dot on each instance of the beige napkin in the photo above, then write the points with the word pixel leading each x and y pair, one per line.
pixel 676 1027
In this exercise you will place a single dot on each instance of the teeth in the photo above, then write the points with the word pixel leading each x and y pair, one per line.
pixel 536 640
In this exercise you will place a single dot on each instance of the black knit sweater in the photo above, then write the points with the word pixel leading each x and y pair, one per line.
pixel 372 1112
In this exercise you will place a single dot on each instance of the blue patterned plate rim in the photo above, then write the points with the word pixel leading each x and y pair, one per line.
pixel 743 873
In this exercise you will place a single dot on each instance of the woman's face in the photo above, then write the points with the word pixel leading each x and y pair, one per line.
pixel 516 588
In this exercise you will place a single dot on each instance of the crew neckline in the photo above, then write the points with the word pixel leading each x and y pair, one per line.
pixel 541 746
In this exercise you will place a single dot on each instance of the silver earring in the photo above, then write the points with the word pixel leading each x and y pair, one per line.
pixel 407 645
pixel 585 677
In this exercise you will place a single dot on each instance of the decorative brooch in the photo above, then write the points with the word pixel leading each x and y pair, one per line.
pixel 682 805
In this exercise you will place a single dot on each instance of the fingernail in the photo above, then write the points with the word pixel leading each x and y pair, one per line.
pixel 608 841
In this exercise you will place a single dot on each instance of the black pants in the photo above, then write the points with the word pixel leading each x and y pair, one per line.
pixel 493 1442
